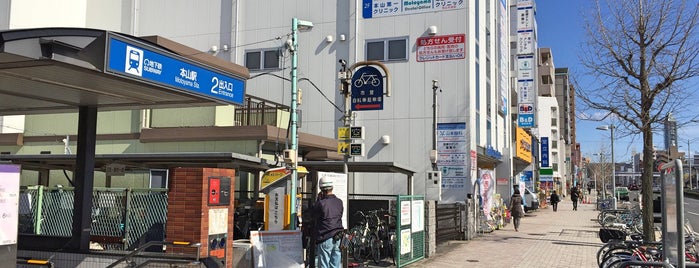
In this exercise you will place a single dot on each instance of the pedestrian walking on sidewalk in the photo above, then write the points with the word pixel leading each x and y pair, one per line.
pixel 574 194
pixel 516 208
pixel 554 200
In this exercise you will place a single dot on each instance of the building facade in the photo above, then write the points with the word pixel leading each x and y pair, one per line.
pixel 460 47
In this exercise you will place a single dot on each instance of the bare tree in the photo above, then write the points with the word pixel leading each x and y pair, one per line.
pixel 601 171
pixel 642 52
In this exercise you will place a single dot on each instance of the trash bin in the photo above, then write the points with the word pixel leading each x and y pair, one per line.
pixel 242 254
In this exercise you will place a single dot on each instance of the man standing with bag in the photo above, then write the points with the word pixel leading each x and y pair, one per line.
pixel 328 211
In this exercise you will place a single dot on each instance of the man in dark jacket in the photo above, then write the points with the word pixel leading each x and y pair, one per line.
pixel 554 200
pixel 328 216
pixel 574 194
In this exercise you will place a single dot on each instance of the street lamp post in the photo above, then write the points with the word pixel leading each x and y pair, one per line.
pixel 615 194
pixel 296 25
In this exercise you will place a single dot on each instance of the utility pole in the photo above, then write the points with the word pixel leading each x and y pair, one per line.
pixel 433 153
pixel 345 77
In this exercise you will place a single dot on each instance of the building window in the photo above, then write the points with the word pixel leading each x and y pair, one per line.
pixel 478 87
pixel 387 49
pixel 554 166
pixel 262 59
pixel 159 178
pixel 554 144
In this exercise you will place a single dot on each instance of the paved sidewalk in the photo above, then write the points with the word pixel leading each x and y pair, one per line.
pixel 565 238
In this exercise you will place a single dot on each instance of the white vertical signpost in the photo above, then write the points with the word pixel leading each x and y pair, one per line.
pixel 673 213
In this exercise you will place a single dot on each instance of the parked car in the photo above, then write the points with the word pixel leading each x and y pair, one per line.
pixel 622 193
pixel 531 200
pixel 633 187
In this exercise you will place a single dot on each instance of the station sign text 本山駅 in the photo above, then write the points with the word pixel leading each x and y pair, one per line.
pixel 138 61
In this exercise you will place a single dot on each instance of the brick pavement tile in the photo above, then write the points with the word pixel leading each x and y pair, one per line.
pixel 565 238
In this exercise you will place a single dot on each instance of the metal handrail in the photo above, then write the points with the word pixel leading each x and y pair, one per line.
pixel 35 262
pixel 156 243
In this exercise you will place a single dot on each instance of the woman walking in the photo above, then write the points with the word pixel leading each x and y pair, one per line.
pixel 516 209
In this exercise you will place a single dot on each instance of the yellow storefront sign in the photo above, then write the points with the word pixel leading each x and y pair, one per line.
pixel 524 145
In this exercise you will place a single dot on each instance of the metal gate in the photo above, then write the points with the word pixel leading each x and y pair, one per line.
pixel 449 222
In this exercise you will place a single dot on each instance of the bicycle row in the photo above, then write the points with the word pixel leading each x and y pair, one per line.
pixel 619 252
pixel 372 238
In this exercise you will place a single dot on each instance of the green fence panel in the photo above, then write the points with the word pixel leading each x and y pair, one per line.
pixel 122 219
pixel 146 217
pixel 410 229
pixel 56 212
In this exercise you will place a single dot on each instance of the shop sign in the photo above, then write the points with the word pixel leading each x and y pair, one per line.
pixel 524 146
pixel 387 8
pixel 544 151
pixel 490 151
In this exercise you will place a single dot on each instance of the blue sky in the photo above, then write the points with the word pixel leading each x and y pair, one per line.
pixel 561 28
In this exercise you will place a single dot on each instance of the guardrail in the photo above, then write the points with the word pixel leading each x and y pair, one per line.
pixel 129 256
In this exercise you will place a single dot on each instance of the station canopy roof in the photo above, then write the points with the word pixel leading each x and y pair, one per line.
pixel 58 70
pixel 142 161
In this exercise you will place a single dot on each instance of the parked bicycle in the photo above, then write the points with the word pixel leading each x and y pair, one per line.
pixel 372 238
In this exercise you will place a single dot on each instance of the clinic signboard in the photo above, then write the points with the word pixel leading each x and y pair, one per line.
pixel 387 8
pixel 140 61
pixel 544 151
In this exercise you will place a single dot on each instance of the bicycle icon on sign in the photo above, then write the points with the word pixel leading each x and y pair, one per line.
pixel 365 79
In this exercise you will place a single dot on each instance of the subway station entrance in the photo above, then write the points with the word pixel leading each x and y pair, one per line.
pixel 74 70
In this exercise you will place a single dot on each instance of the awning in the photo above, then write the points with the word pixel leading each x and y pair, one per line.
pixel 142 161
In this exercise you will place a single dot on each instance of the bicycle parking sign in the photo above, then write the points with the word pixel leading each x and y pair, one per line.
pixel 367 89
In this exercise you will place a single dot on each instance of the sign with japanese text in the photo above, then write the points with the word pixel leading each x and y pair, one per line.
pixel 339 190
pixel 525 67
pixel 443 47
pixel 452 157
pixel 9 203
pixel 525 18
pixel 525 42
pixel 137 60
pixel 524 145
pixel 526 91
pixel 277 248
pixel 487 185
pixel 522 3
pixel 503 44
pixel 544 151
pixel 367 89
pixel 386 8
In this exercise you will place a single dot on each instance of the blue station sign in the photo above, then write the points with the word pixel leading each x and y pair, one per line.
pixel 367 89
pixel 141 62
